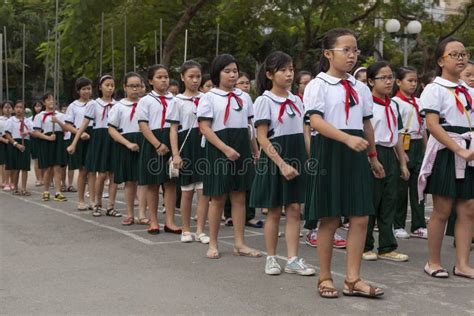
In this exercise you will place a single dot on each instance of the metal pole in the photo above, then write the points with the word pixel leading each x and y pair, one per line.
pixel 156 49
pixel 101 43
pixel 59 68
pixel 46 66
pixel 185 45
pixel 56 37
pixel 7 88
pixel 161 41
pixel 217 39
pixel 113 58
pixel 134 59
pixel 405 47
pixel 125 47
pixel 1 67
pixel 23 65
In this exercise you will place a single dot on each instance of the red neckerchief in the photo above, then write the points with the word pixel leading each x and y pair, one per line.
pixel 46 114
pixel 299 96
pixel 388 111
pixel 463 90
pixel 134 108
pixel 163 112
pixel 22 126
pixel 352 98
pixel 196 101
pixel 283 107
pixel 411 101
pixel 231 95
pixel 105 110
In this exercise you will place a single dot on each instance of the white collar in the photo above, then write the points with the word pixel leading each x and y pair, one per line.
pixel 278 99
pixel 168 95
pixel 223 93
pixel 334 80
pixel 446 83
pixel 186 98
pixel 126 102
pixel 79 103
pixel 103 103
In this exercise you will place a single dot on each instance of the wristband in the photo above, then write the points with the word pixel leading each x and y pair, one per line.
pixel 372 154
pixel 14 144
pixel 158 147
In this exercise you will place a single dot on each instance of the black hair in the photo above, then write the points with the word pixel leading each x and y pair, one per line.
pixel 189 65
pixel 64 105
pixel 439 52
pixel 402 72
pixel 205 78
pixel 37 102
pixel 101 81
pixel 300 75
pixel 374 69
pixel 46 97
pixel 21 102
pixel 329 41
pixel 82 82
pixel 5 103
pixel 244 74
pixel 174 83
pixel 129 75
pixel 219 63
pixel 152 70
pixel 274 62
pixel 471 62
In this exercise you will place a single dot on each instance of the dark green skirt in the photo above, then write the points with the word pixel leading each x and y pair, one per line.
pixel 416 154
pixel 78 159
pixel 17 160
pixel 35 147
pixel 52 153
pixel 126 161
pixel 269 188
pixel 191 154
pixel 99 152
pixel 220 175
pixel 339 180
pixel 3 153
pixel 153 168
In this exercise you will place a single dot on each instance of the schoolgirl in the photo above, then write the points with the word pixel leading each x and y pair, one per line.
pixel 413 140
pixel 206 84
pixel 66 171
pixel 447 171
pixel 280 177
pixel 389 144
pixel 6 112
pixel 17 131
pixel 302 79
pixel 340 108
pixel 74 117
pixel 224 114
pixel 243 83
pixel 48 128
pixel 99 156
pixel 37 108
pixel 361 74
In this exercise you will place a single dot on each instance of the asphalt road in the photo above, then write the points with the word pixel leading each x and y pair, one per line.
pixel 55 260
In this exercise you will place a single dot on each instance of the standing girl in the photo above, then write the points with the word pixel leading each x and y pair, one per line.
pixel 447 171
pixel 99 155
pixel 413 141
pixel 187 152
pixel 224 114
pixel 302 79
pixel 6 112
pixel 280 178
pixel 389 144
pixel 37 108
pixel 74 117
pixel 123 128
pixel 17 131
pixel 340 109
pixel 48 128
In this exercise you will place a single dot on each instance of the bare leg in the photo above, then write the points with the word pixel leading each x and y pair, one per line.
pixel 202 210
pixel 215 213
pixel 112 191
pixel 15 175
pixel 292 228
pixel 99 187
pixel 81 184
pixel 130 193
pixel 436 226
pixel 142 201
pixel 57 178
pixel 91 178
pixel 327 228
pixel 152 199
pixel 463 234
pixel 186 205
pixel 270 230
pixel 24 179
pixel 170 204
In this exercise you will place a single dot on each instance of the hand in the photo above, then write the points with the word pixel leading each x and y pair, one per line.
pixel 133 147
pixel 20 147
pixel 177 161
pixel 357 143
pixel 71 149
pixel 377 168
pixel 54 119
pixel 52 137
pixel 288 172
pixel 24 134
pixel 404 173
pixel 163 150
pixel 85 136
pixel 231 154
pixel 465 154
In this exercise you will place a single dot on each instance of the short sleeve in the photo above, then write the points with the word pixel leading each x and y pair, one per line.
pixel 368 103
pixel 262 111
pixel 114 117
pixel 37 124
pixel 29 125
pixel 205 109
pixel 90 111
pixel 173 113
pixel 250 106
pixel 143 110
pixel 8 127
pixel 313 97
pixel 70 115
pixel 430 99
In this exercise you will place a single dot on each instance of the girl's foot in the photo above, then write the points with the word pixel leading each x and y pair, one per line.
pixel 143 221
pixel 112 212
pixel 360 288
pixel 186 237
pixel 127 221
pixel 212 253
pixel 465 273
pixel 202 238
pixel 247 252
pixel 436 271
pixel 326 288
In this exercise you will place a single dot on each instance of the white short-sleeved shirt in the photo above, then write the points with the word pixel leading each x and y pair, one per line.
pixel 406 110
pixel 98 111
pixel 325 95
pixel 75 113
pixel 13 126
pixel 267 110
pixel 3 121
pixel 120 117
pixel 384 135
pixel 213 106
pixel 183 111
pixel 152 111
pixel 437 98
pixel 45 125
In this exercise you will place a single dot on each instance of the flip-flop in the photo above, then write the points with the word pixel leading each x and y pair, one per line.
pixel 143 221
pixel 258 224
pixel 25 193
pixel 127 221
pixel 439 273
pixel 253 253
pixel 462 275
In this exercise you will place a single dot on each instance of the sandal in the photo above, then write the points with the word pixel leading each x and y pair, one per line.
pixel 82 207
pixel 153 231
pixel 38 184
pixel 439 273
pixel 462 275
pixel 247 252
pixel 97 211
pixel 16 192
pixel 327 291
pixel 173 231
pixel 112 212
pixel 127 221
pixel 143 221
pixel 25 193
pixel 71 189
pixel 254 223
pixel 352 291
pixel 63 188
pixel 212 253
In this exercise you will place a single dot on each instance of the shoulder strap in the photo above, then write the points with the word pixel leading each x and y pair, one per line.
pixel 187 135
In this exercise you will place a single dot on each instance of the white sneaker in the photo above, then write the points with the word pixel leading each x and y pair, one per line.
pixel 202 238
pixel 186 237
pixel 272 267
pixel 401 233
pixel 420 233
pixel 105 195
pixel 369 256
pixel 300 267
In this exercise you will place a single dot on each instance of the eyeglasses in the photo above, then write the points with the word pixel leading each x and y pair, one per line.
pixel 455 55
pixel 385 78
pixel 134 86
pixel 346 50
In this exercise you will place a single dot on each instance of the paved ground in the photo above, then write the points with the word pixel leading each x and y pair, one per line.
pixel 56 260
